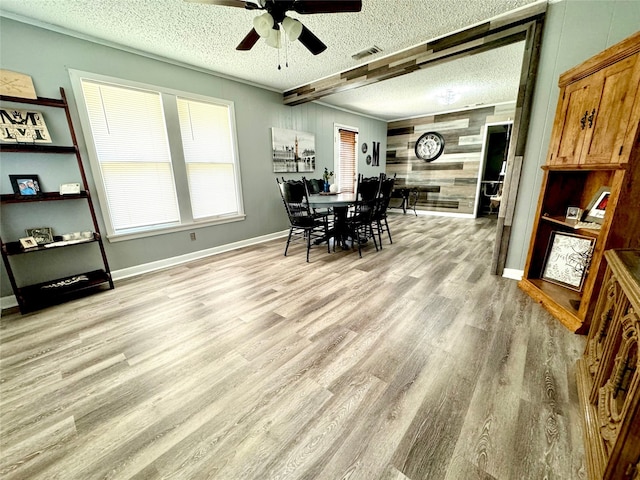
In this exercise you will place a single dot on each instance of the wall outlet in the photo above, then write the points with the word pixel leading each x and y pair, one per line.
pixel 192 235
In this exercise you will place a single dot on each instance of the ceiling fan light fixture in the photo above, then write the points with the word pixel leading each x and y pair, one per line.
pixel 274 39
pixel 263 24
pixel 448 97
pixel 292 27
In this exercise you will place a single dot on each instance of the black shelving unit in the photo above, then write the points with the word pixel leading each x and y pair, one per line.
pixel 32 297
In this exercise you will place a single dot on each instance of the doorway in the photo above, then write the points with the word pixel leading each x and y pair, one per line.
pixel 493 168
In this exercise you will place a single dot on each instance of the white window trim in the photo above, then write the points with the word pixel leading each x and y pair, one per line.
pixel 76 77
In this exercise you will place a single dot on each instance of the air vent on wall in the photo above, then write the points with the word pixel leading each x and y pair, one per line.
pixel 366 53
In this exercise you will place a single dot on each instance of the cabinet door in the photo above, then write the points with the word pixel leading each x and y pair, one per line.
pixel 608 117
pixel 571 122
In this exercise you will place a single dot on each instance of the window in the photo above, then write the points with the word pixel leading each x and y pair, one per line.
pixel 347 140
pixel 208 154
pixel 162 160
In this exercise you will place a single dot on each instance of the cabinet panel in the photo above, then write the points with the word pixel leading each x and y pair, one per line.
pixel 605 132
pixel 569 132
pixel 608 375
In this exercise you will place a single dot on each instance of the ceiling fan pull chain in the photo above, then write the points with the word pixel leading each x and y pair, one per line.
pixel 286 51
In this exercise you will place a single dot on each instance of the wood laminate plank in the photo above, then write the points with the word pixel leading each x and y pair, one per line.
pixel 412 362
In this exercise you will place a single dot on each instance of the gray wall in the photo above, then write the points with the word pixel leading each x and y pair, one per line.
pixel 46 56
pixel 574 31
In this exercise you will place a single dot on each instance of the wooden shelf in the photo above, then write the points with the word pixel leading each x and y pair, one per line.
pixel 15 248
pixel 584 167
pixel 558 300
pixel 47 102
pixel 36 148
pixel 45 197
pixel 60 290
pixel 570 224
pixel 34 297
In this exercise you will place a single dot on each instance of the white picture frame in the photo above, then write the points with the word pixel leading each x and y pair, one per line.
pixel 567 260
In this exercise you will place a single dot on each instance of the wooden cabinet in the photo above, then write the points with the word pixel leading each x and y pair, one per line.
pixel 608 375
pixel 34 295
pixel 593 115
pixel 594 144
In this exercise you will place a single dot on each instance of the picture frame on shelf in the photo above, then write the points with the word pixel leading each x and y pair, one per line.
pixel 596 208
pixel 574 213
pixel 567 260
pixel 28 242
pixel 70 189
pixel 26 185
pixel 43 235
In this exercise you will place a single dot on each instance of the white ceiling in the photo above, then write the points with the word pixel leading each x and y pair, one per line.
pixel 205 36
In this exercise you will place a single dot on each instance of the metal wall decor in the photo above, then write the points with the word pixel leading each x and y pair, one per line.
pixel 375 161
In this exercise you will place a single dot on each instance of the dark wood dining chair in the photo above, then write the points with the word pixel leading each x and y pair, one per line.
pixel 361 217
pixel 303 222
pixel 380 222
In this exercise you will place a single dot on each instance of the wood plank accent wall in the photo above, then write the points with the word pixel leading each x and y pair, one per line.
pixel 456 171
pixel 509 28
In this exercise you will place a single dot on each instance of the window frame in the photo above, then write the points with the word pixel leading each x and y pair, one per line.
pixel 336 155
pixel 178 164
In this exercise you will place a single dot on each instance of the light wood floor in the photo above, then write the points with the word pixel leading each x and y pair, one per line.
pixel 411 363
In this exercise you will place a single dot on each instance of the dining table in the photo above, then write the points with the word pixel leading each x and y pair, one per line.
pixel 339 203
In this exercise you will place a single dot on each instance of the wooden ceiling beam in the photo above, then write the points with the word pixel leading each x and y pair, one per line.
pixel 501 31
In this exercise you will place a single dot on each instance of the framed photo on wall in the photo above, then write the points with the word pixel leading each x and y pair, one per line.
pixel 567 260
pixel 293 151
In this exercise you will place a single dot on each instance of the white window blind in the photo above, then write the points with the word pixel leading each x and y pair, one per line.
pixel 132 148
pixel 207 143
pixel 347 158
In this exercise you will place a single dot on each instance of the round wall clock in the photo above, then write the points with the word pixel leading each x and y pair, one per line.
pixel 364 148
pixel 429 146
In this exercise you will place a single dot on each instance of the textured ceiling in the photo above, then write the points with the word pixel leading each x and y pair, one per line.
pixel 205 36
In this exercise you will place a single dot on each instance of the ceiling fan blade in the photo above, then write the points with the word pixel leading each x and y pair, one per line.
pixel 249 5
pixel 313 43
pixel 249 41
pixel 327 6
pixel 224 3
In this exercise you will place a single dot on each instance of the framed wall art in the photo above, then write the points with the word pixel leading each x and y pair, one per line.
pixel 567 260
pixel 596 209
pixel 293 151
pixel 26 185
pixel 22 126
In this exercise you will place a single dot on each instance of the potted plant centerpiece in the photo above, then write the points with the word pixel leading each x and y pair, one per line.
pixel 326 176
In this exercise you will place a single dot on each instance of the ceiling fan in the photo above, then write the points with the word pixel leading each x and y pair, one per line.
pixel 269 24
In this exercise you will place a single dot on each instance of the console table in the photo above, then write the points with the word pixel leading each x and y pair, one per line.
pixel 409 196
pixel 608 374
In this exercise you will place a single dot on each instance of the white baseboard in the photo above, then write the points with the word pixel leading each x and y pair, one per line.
pixel 189 257
pixel 513 274
pixel 10 301
pixel 432 213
